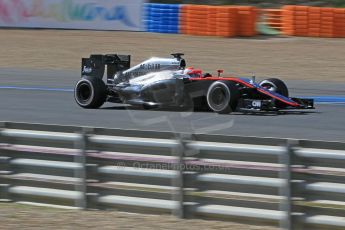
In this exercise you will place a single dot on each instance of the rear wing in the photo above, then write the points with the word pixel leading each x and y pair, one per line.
pixel 95 65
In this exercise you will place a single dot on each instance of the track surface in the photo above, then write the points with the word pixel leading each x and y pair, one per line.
pixel 46 97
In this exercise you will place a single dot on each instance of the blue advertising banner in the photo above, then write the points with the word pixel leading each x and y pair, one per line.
pixel 73 14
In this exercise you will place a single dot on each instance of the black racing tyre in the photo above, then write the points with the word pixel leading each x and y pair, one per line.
pixel 90 92
pixel 275 85
pixel 222 97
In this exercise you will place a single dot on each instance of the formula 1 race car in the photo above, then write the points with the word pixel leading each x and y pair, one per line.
pixel 166 82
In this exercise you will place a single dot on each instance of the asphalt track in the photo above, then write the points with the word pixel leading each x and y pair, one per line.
pixel 46 96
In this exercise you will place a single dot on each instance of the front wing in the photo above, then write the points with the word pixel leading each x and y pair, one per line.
pixel 271 105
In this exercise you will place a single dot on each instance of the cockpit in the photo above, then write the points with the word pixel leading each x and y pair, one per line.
pixel 195 73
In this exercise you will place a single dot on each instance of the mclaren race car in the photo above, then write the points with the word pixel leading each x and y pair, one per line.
pixel 167 83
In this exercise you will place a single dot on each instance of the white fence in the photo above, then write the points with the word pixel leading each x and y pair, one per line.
pixel 73 14
pixel 294 183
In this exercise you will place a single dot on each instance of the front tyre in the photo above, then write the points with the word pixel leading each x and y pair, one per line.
pixel 90 92
pixel 275 85
pixel 222 97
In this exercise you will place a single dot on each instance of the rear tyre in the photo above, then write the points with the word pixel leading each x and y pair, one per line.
pixel 90 92
pixel 222 97
pixel 275 85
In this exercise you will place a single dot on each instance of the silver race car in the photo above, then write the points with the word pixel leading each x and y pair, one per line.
pixel 167 83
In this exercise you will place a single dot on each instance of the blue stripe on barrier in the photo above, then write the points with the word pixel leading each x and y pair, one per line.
pixel 327 99
pixel 318 99
pixel 161 18
pixel 34 88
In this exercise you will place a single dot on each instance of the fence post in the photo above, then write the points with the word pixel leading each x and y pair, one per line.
pixel 80 173
pixel 178 181
pixel 4 187
pixel 285 190
pixel 286 174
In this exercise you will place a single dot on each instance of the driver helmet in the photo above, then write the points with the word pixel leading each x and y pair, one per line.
pixel 191 72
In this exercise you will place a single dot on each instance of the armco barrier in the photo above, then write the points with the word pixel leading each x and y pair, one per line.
pixel 296 183
pixel 288 20
pixel 161 18
pixel 247 19
pixel 135 15
pixel 231 21
pixel 327 23
pixel 313 21
pixel 195 19
pixel 339 23
pixel 301 20
pixel 225 21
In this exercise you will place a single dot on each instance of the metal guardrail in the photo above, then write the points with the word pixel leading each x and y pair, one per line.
pixel 294 183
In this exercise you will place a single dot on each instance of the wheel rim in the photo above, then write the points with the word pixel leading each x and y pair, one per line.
pixel 219 98
pixel 84 93
pixel 269 87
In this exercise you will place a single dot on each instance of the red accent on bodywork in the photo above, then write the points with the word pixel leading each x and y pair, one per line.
pixel 237 80
pixel 196 71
